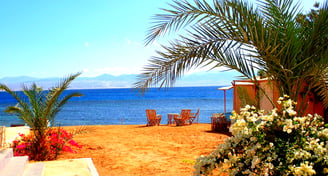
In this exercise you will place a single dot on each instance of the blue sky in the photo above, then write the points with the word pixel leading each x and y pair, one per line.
pixel 55 38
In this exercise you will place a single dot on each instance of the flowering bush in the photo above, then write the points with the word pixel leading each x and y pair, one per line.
pixel 44 148
pixel 279 143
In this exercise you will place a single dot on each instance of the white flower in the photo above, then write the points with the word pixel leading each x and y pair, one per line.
pixel 239 126
pixel 258 145
pixel 300 119
pixel 247 172
pixel 247 114
pixel 255 161
pixel 291 112
pixel 255 115
pixel 261 155
pixel 267 118
pixel 288 103
pixel 253 139
pixel 288 126
pixel 323 133
pixel 251 119
pixel 274 112
pixel 304 169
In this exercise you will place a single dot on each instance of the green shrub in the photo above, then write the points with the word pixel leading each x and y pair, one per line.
pixel 279 143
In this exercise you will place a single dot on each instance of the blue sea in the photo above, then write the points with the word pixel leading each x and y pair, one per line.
pixel 125 105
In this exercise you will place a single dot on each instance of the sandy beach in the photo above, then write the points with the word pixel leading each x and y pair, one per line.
pixel 141 150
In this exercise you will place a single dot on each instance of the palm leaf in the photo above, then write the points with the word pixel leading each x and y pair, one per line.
pixel 60 104
pixel 39 108
pixel 54 93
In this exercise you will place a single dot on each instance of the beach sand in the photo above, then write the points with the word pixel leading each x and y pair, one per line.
pixel 141 150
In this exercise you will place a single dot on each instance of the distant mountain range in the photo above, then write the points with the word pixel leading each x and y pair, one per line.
pixel 214 78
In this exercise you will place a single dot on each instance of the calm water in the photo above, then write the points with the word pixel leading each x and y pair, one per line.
pixel 111 106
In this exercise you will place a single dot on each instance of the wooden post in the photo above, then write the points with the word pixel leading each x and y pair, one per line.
pixel 225 102
pixel 225 96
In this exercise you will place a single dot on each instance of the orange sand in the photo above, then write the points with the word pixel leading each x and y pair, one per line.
pixel 141 150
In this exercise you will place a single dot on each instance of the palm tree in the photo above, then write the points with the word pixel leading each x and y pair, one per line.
pixel 38 108
pixel 275 38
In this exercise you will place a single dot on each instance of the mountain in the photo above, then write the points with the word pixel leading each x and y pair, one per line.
pixel 213 78
pixel 14 79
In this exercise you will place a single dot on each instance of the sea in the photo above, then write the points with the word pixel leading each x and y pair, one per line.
pixel 126 106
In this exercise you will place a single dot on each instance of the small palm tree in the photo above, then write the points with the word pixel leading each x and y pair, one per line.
pixel 38 108
pixel 274 37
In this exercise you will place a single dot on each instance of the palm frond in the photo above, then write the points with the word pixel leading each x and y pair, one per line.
pixel 21 103
pixel 185 14
pixel 21 113
pixel 57 107
pixel 14 110
pixel 35 99
pixel 212 30
pixel 54 93
pixel 40 107
pixel 322 88
pixel 276 38
pixel 12 93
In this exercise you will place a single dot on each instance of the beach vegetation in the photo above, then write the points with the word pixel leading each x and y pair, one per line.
pixel 55 142
pixel 189 161
pixel 279 143
pixel 38 109
pixel 273 37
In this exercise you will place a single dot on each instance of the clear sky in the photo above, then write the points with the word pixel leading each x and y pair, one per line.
pixel 54 38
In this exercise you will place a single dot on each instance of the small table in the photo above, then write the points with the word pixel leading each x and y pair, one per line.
pixel 219 123
pixel 170 118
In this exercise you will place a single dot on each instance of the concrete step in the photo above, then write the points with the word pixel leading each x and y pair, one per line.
pixel 70 167
pixel 34 169
pixel 91 166
pixel 5 156
pixel 15 166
